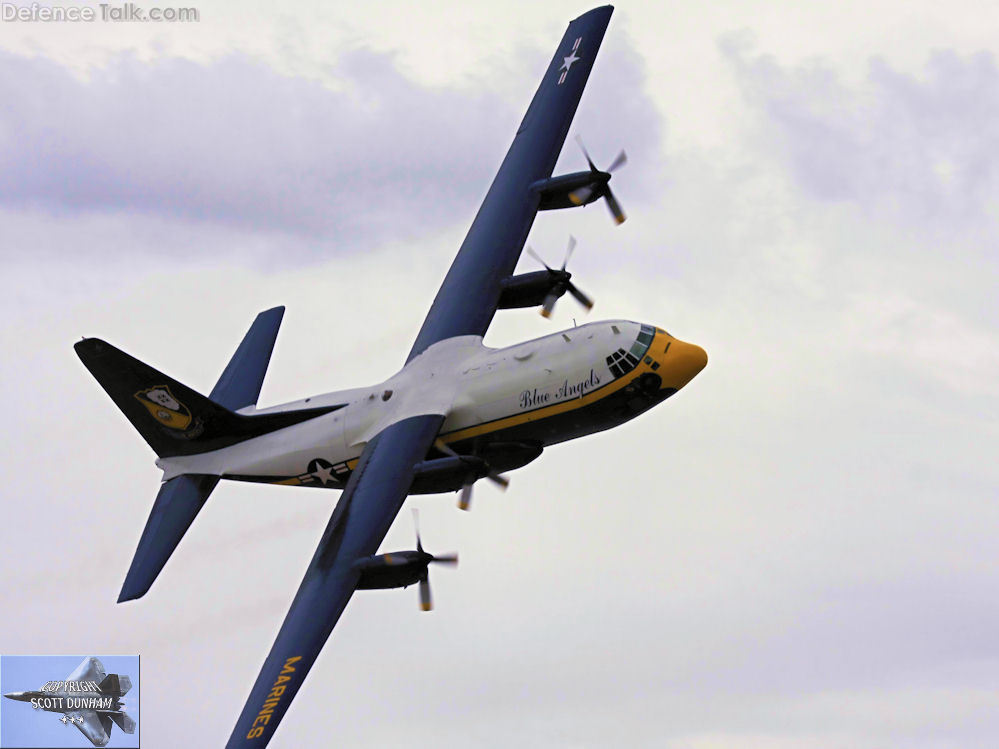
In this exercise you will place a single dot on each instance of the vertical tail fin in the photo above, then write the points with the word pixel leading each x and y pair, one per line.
pixel 105 722
pixel 115 685
pixel 125 722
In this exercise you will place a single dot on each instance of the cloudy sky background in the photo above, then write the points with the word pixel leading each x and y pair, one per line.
pixel 796 551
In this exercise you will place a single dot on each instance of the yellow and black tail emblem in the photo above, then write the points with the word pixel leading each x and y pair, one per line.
pixel 166 409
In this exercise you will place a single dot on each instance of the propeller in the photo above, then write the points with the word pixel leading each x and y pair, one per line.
pixel 564 283
pixel 602 187
pixel 465 498
pixel 426 601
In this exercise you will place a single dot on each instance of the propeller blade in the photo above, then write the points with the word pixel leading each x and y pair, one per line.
pixel 446 559
pixel 568 251
pixel 444 447
pixel 621 160
pixel 614 206
pixel 536 256
pixel 580 296
pixel 580 196
pixel 549 304
pixel 499 479
pixel 466 497
pixel 416 525
pixel 466 491
pixel 426 603
pixel 589 161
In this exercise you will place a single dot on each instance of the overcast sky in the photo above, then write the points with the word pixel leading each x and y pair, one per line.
pixel 798 550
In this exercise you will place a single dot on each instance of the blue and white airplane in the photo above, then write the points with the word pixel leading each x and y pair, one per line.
pixel 457 412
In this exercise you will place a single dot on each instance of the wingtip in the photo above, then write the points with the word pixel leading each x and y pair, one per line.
pixel 130 594
pixel 85 343
pixel 594 11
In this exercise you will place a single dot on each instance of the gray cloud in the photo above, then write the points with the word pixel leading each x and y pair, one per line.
pixel 235 143
pixel 923 148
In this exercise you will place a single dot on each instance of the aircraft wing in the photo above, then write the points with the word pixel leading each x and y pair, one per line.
pixel 90 669
pixel 95 727
pixel 469 296
pixel 373 497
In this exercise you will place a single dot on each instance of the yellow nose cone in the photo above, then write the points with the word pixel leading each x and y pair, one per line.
pixel 681 363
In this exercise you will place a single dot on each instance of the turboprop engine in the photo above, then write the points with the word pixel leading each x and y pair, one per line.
pixel 400 569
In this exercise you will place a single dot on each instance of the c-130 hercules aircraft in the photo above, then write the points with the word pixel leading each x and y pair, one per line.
pixel 457 412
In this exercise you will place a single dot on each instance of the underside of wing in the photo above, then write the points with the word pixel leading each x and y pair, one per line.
pixel 369 504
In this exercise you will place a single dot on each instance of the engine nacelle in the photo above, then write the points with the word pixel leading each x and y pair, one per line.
pixel 530 289
pixel 450 474
pixel 556 192
pixel 396 570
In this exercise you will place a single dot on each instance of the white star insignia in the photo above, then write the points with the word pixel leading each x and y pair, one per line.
pixel 324 474
pixel 568 61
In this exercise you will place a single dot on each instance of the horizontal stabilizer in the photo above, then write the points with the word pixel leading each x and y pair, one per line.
pixel 125 721
pixel 240 383
pixel 179 501
pixel 171 417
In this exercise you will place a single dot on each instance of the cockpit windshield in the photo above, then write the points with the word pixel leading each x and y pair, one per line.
pixel 621 362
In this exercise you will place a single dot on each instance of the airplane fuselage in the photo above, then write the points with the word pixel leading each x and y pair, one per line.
pixel 505 405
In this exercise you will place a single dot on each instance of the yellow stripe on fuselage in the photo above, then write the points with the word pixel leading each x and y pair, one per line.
pixel 569 405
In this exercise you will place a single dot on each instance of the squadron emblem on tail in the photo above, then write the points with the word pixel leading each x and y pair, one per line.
pixel 166 409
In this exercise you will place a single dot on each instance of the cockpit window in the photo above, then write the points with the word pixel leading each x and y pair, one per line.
pixel 621 362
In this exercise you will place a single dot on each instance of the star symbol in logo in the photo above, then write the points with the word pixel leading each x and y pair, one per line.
pixel 324 474
pixel 568 61
pixel 321 470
